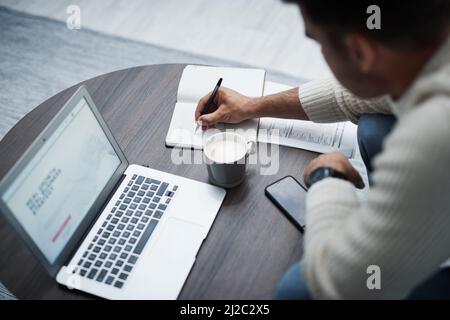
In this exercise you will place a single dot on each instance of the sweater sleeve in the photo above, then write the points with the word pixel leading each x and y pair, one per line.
pixel 402 227
pixel 328 101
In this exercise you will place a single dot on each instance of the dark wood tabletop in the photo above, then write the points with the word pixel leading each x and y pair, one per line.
pixel 250 245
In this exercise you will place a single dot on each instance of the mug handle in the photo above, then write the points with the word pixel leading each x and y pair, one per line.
pixel 251 148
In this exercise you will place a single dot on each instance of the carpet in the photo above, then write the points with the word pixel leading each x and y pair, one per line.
pixel 5 294
pixel 40 57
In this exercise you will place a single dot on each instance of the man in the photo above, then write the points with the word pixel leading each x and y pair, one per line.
pixel 394 81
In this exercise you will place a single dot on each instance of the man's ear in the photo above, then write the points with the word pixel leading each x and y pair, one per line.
pixel 362 51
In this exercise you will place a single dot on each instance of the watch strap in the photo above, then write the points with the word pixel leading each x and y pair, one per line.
pixel 322 173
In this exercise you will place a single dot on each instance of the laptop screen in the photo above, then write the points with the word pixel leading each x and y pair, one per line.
pixel 57 187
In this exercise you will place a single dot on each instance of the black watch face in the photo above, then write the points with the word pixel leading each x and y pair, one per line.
pixel 315 176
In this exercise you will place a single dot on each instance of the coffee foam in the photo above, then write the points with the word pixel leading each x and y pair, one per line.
pixel 225 150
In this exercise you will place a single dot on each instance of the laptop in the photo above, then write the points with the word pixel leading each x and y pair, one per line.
pixel 98 224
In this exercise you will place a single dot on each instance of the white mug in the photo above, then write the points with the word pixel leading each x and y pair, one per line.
pixel 225 154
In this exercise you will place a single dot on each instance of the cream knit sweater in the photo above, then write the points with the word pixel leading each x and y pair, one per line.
pixel 404 224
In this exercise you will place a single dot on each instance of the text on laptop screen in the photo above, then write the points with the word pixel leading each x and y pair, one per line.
pixel 58 186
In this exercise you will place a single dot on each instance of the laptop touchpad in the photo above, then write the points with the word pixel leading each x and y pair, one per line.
pixel 167 262
pixel 179 240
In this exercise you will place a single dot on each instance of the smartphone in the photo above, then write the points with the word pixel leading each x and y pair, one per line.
pixel 289 196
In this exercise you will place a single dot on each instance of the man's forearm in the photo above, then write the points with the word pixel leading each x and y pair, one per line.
pixel 285 104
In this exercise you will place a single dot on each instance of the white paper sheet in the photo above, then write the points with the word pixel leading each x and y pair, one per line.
pixel 307 135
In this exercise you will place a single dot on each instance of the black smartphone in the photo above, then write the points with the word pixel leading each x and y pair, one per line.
pixel 289 196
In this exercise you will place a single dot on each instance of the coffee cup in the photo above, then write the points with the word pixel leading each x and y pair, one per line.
pixel 226 155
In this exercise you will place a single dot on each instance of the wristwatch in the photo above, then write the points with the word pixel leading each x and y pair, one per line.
pixel 322 173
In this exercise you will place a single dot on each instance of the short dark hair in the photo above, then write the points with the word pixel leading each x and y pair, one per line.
pixel 409 24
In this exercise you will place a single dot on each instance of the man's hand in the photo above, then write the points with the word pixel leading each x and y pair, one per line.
pixel 230 107
pixel 336 161
pixel 233 107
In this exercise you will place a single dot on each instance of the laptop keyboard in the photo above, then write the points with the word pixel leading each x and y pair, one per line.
pixel 116 247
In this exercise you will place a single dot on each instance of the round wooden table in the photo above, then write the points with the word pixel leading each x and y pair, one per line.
pixel 250 245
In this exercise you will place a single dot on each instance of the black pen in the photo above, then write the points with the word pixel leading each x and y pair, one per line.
pixel 211 99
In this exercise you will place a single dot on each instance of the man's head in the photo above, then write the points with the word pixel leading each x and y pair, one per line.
pixel 372 62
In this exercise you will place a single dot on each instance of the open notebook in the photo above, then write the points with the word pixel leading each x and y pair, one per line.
pixel 196 82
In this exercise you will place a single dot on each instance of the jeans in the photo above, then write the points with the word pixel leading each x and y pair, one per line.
pixel 292 286
pixel 372 129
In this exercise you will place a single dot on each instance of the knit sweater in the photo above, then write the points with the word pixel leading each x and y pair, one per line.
pixel 403 226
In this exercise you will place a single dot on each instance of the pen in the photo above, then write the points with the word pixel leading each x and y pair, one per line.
pixel 211 99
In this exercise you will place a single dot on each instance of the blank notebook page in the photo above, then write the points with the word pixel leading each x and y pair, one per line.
pixel 197 81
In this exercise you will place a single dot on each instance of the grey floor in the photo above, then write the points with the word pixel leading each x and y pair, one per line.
pixel 264 33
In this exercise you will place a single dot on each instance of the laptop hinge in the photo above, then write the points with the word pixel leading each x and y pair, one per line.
pixel 88 229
